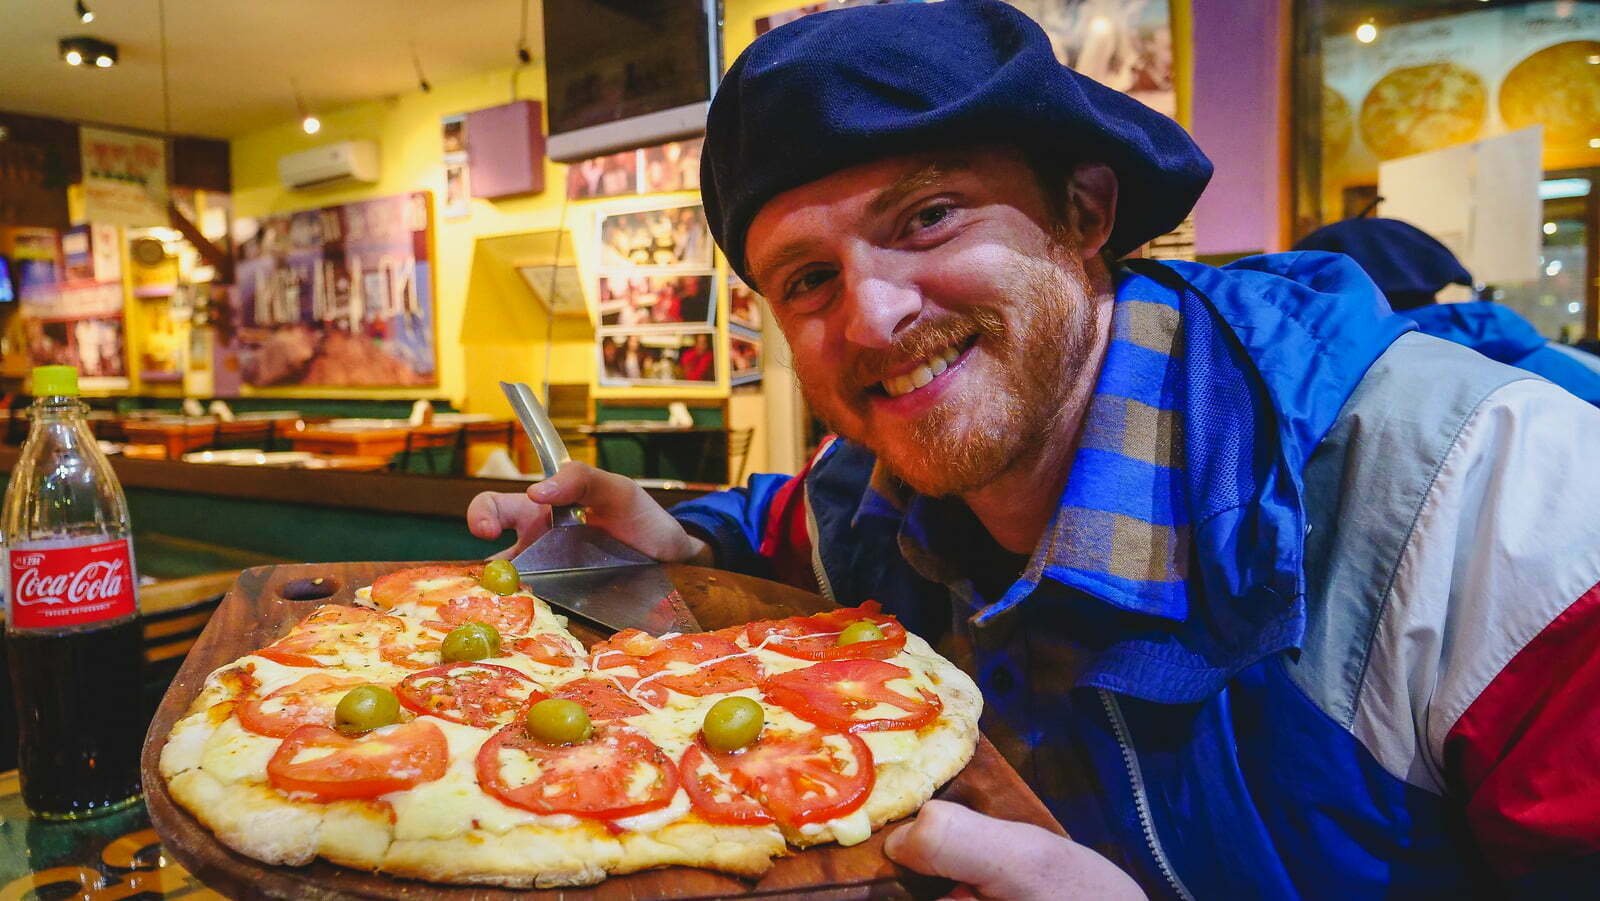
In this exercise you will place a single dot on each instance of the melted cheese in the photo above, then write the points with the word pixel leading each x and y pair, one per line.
pixel 891 747
pixel 852 829
pixel 454 803
pixel 234 755
pixel 656 819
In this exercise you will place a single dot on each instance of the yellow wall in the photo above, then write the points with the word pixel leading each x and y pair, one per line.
pixel 490 328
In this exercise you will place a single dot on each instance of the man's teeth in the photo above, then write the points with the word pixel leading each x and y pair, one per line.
pixel 923 374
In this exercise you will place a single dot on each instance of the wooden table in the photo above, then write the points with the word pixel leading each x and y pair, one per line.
pixel 177 436
pixel 382 442
pixel 267 600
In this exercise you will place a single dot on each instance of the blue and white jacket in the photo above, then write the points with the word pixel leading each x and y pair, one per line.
pixel 1384 683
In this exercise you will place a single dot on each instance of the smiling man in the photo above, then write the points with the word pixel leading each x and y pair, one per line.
pixel 1268 594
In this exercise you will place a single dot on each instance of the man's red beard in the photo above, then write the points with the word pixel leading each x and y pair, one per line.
pixel 966 442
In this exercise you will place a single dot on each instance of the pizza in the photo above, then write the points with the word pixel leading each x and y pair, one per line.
pixel 449 727
pixel 1559 88
pixel 1415 109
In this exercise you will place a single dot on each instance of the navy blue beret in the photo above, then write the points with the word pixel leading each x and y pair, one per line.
pixel 1402 260
pixel 842 88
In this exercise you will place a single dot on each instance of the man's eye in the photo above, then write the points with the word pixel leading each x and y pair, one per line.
pixel 808 280
pixel 928 217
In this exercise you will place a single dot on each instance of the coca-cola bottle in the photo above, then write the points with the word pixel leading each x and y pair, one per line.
pixel 72 621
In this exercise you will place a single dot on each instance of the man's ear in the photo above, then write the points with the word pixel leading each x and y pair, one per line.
pixel 1092 198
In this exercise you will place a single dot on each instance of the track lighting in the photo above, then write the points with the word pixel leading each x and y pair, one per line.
pixel 85 15
pixel 79 50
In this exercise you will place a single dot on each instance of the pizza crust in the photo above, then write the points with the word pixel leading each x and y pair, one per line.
pixel 216 771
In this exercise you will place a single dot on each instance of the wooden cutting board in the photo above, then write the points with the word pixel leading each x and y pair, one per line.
pixel 267 600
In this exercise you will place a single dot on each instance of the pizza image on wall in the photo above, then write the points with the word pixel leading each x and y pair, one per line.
pixel 1415 109
pixel 1557 87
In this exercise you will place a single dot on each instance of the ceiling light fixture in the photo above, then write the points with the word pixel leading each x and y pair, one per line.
pixel 1367 32
pixel 85 15
pixel 523 56
pixel 308 123
pixel 76 51
pixel 416 63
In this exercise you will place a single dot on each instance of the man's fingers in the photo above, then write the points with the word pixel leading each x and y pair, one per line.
pixel 1002 859
pixel 579 483
pixel 491 513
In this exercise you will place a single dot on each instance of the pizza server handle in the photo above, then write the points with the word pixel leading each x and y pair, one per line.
pixel 546 441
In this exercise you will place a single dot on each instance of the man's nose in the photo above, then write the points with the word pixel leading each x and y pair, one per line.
pixel 880 307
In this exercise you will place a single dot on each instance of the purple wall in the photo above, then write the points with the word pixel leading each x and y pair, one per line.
pixel 1238 95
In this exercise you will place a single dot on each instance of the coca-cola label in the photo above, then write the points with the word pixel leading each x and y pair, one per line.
pixel 71 586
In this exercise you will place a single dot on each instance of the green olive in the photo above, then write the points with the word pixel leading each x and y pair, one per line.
pixel 732 723
pixel 556 721
pixel 470 641
pixel 500 577
pixel 859 631
pixel 364 708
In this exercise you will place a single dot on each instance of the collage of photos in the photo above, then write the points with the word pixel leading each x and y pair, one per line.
pixel 674 166
pixel 658 302
pixel 744 332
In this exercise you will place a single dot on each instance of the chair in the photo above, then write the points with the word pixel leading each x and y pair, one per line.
pixel 425 439
pixel 738 448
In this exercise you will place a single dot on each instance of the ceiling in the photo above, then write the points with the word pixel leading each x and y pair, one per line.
pixel 231 61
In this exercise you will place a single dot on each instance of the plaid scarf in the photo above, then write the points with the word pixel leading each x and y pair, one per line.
pixel 1122 531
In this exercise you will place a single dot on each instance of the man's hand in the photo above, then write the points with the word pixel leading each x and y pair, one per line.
pixel 1004 860
pixel 613 503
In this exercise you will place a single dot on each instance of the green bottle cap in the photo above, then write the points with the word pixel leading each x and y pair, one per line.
pixel 51 381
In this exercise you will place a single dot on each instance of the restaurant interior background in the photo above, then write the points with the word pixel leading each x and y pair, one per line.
pixel 173 225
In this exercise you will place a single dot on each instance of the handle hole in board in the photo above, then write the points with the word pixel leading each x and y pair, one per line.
pixel 309 589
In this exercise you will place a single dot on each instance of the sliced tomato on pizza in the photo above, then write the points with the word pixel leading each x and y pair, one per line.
pixel 698 664
pixel 510 614
pixel 428 586
pixel 852 696
pixel 816 637
pixel 600 698
pixel 478 694
pixel 616 773
pixel 322 638
pixel 328 766
pixel 309 701
pixel 410 651
pixel 547 648
pixel 793 778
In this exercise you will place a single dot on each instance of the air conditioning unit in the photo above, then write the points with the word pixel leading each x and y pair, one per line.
pixel 342 162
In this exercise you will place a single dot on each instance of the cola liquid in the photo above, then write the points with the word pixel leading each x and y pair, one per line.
pixel 73 637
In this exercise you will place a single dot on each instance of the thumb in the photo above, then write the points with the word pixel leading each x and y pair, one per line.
pixel 1004 859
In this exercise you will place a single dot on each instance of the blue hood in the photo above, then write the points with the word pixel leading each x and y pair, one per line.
pixel 1491 329
pixel 1274 346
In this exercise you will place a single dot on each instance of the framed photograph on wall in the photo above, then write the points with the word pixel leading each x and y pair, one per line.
pixel 685 358
pixel 744 357
pixel 744 304
pixel 657 299
pixel 674 237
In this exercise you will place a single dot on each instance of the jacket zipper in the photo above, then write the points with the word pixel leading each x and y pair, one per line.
pixel 1140 800
pixel 816 550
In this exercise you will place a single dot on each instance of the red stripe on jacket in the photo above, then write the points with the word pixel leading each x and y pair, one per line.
pixel 786 540
pixel 1526 754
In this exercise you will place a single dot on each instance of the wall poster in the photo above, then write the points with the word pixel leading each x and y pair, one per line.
pixel 78 325
pixel 340 297
pixel 658 303
pixel 124 178
pixel 1123 44
pixel 1426 85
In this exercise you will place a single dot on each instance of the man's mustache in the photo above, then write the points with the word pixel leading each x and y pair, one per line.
pixel 867 368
